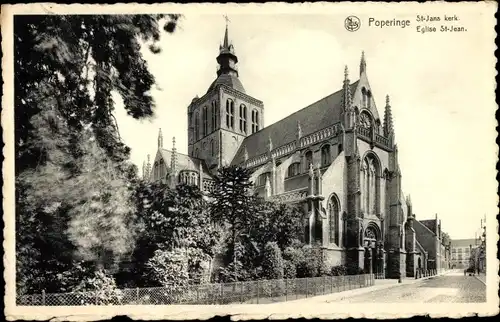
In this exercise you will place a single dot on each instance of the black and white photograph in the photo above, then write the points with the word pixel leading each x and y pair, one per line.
pixel 289 159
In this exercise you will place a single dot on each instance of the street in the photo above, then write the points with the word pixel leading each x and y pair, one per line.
pixel 453 287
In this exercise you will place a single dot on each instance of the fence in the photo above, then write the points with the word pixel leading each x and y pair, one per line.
pixel 253 292
pixel 420 272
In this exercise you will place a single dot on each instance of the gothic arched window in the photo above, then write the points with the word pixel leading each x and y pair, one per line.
pixel 161 169
pixel 261 181
pixel 364 97
pixel 205 121
pixel 243 118
pixel 255 121
pixel 325 155
pixel 230 114
pixel 370 185
pixel 215 115
pixel 196 126
pixel 155 171
pixel 293 169
pixel 309 160
pixel 334 219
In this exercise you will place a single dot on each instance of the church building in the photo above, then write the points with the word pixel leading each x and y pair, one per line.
pixel 337 157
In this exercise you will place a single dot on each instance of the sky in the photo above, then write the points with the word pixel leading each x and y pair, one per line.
pixel 441 87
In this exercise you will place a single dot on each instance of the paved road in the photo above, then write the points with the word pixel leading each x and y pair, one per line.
pixel 450 288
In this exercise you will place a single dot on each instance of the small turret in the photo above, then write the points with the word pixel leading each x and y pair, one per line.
pixel 160 140
pixel 362 64
pixel 388 125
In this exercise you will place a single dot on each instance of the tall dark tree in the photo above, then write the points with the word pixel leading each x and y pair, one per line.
pixel 232 203
pixel 69 155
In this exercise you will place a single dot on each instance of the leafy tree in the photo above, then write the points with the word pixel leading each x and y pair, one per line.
pixel 68 148
pixel 232 204
pixel 169 219
pixel 274 222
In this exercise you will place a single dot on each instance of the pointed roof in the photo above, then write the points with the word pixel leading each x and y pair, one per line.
pixel 312 118
pixel 184 162
pixel 227 74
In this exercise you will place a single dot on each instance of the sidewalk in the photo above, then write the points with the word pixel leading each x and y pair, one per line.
pixel 379 285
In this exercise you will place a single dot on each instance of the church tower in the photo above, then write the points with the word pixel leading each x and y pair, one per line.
pixel 220 120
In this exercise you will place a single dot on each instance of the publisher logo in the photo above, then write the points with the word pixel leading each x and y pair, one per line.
pixel 352 23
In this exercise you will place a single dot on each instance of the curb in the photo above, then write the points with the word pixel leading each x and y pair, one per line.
pixel 339 296
pixel 480 280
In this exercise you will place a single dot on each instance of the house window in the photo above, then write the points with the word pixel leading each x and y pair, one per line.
pixel 255 121
pixel 243 118
pixel 261 181
pixel 325 155
pixel 309 160
pixel 293 169
pixel 230 114
pixel 205 121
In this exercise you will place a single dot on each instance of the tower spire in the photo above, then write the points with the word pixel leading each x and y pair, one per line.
pixel 160 139
pixel 388 126
pixel 226 34
pixel 362 64
pixel 227 58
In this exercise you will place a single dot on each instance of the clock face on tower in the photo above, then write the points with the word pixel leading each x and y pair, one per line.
pixel 365 121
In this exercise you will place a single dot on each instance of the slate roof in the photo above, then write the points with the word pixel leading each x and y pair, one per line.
pixel 229 80
pixel 312 118
pixel 185 162
pixel 430 224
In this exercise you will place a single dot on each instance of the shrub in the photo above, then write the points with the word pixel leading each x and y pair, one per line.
pixel 289 269
pixel 272 263
pixel 310 264
pixel 294 255
pixel 170 269
pixel 99 289
pixel 339 270
pixel 324 269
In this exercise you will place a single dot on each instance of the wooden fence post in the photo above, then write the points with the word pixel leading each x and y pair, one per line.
pixel 137 295
pixel 307 287
pixel 241 293
pixel 43 297
pixel 258 291
pixel 221 293
pixel 286 289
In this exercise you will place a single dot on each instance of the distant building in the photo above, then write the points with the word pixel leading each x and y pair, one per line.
pixel 462 250
pixel 337 157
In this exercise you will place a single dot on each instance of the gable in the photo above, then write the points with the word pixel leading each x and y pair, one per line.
pixel 358 97
pixel 312 118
